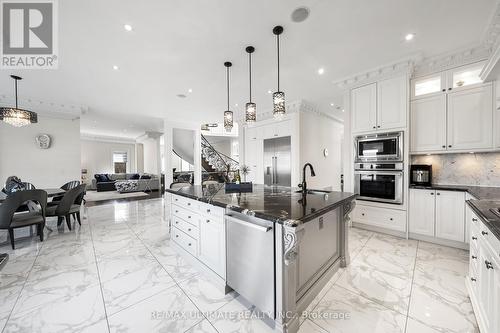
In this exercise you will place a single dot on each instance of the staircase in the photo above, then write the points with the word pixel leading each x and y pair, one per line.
pixel 214 161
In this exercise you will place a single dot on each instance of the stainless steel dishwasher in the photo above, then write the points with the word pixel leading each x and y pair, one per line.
pixel 251 260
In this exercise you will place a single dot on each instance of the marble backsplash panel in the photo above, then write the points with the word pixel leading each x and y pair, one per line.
pixel 463 169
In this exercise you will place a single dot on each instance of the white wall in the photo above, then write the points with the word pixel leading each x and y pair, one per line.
pixel 97 156
pixel 317 133
pixel 150 156
pixel 45 168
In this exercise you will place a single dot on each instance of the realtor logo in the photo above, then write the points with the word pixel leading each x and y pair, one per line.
pixel 29 34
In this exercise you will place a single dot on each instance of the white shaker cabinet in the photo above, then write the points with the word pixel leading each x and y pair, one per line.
pixel 392 103
pixel 470 118
pixel 212 243
pixel 428 124
pixel 437 213
pixel 380 106
pixel 450 215
pixel 422 207
pixel 364 108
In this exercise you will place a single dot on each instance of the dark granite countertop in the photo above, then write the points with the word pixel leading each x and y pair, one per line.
pixel 479 192
pixel 274 203
pixel 483 210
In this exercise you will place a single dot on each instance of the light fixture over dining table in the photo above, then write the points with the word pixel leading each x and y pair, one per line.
pixel 14 115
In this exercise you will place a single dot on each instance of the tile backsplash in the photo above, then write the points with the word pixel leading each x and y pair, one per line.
pixel 463 169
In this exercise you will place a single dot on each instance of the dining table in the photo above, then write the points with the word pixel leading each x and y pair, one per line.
pixel 51 192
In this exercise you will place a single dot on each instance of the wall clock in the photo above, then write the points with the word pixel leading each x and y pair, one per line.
pixel 43 141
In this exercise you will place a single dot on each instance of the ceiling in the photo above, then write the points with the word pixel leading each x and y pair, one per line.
pixel 179 45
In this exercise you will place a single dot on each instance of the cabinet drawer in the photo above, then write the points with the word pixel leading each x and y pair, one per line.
pixel 186 227
pixel 185 202
pixel 380 217
pixel 185 214
pixel 211 211
pixel 187 243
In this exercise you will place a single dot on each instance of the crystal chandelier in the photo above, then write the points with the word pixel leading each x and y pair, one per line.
pixel 250 107
pixel 278 96
pixel 228 115
pixel 15 116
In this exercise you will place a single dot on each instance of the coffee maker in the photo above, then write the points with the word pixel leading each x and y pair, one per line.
pixel 421 175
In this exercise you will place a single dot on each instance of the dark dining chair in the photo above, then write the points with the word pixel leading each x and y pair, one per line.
pixel 10 220
pixel 66 207
pixel 68 186
pixel 79 200
pixel 28 186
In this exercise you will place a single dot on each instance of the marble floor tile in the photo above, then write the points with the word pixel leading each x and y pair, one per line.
pixel 309 327
pixel 357 239
pixel 205 295
pixel 174 263
pixel 414 326
pixel 343 311
pixel 168 311
pixel 370 276
pixel 71 313
pixel 448 258
pixel 203 326
pixel 128 289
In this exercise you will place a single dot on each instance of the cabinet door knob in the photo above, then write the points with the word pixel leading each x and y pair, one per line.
pixel 378 126
pixel 474 257
pixel 208 210
pixel 449 146
pixel 189 229
pixel 438 193
pixel 484 233
pixel 374 127
pixel 473 280
pixel 488 264
pixel 189 244
pixel 450 88
pixel 391 219
pixel 362 214
pixel 474 219
pixel 444 90
pixel 474 238
pixel 189 204
pixel 176 222
pixel 176 211
pixel 176 236
pixel 208 221
pixel 432 193
pixel 444 146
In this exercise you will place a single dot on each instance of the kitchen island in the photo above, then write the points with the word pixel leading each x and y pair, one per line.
pixel 276 246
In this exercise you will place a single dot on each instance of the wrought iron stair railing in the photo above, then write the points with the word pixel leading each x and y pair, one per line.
pixel 218 161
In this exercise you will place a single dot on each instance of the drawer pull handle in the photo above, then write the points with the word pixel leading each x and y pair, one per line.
pixel 474 238
pixel 176 199
pixel 189 204
pixel 189 216
pixel 208 221
pixel 474 219
pixel 473 280
pixel 176 211
pixel 432 193
pixel 189 229
pixel 176 222
pixel 474 257
pixel 484 233
pixel 208 210
pixel 488 264
pixel 438 193
pixel 176 236
pixel 363 214
pixel 189 244
pixel 391 219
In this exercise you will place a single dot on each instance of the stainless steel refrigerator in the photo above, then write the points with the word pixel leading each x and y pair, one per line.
pixel 277 161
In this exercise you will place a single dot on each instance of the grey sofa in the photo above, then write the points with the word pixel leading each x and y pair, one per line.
pixel 142 184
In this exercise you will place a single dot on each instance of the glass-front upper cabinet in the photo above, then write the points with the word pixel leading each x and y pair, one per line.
pixel 466 76
pixel 428 85
pixel 447 81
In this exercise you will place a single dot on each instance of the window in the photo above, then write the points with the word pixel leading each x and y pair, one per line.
pixel 120 162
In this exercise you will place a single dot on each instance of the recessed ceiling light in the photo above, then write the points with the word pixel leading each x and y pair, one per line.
pixel 300 14
pixel 115 67
pixel 409 37
pixel 332 104
pixel 236 104
pixel 343 110
pixel 321 71
pixel 181 96
pixel 190 90
pixel 127 27
pixel 269 91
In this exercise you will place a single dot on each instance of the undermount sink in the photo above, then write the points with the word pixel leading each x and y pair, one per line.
pixel 317 192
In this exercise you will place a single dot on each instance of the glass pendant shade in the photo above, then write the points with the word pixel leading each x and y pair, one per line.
pixel 18 117
pixel 228 120
pixel 250 112
pixel 14 115
pixel 279 104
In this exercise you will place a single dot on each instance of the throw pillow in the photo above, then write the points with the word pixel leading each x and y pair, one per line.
pixel 135 176
pixel 145 177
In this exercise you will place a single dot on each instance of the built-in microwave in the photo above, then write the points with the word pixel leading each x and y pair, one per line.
pixel 379 147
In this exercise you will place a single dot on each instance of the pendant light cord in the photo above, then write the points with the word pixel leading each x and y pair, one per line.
pixel 227 71
pixel 250 73
pixel 278 47
pixel 15 85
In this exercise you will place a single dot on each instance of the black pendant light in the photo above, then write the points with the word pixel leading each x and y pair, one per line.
pixel 228 115
pixel 250 107
pixel 15 116
pixel 278 96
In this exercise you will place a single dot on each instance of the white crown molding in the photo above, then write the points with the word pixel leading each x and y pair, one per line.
pixel 105 138
pixel 452 59
pixel 403 66
pixel 291 107
pixel 491 36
